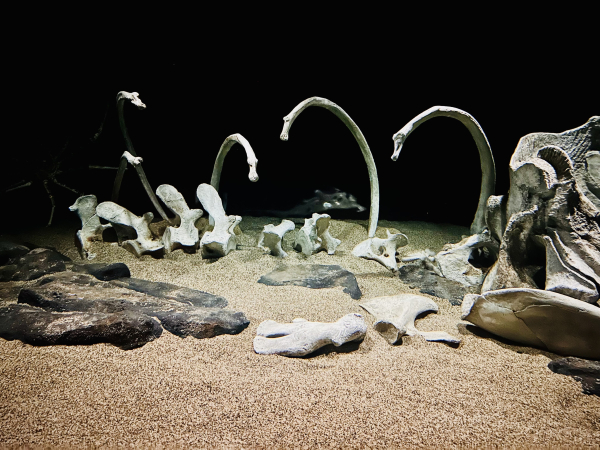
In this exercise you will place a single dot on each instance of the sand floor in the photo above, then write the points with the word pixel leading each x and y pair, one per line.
pixel 218 393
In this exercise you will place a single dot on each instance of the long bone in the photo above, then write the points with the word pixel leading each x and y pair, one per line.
pixel 488 168
pixel 131 156
pixel 360 139
pixel 225 147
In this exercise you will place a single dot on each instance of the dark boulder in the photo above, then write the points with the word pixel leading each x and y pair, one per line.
pixel 104 272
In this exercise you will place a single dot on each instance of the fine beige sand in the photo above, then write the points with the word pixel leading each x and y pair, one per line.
pixel 218 393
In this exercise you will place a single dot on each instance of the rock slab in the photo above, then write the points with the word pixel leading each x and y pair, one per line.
pixel 33 265
pixel 585 371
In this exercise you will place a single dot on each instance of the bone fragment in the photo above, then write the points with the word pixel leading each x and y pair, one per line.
pixel 301 337
pixel 382 250
pixel 186 235
pixel 537 318
pixel 221 240
pixel 396 316
pixel 91 228
pixel 117 215
pixel 488 169
pixel 360 139
pixel 314 236
pixel 272 236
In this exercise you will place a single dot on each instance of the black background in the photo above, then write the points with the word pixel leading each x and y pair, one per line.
pixel 199 93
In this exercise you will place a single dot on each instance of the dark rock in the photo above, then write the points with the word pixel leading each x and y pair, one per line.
pixel 10 250
pixel 184 311
pixel 104 272
pixel 127 329
pixel 35 264
pixel 314 276
pixel 583 370
pixel 429 282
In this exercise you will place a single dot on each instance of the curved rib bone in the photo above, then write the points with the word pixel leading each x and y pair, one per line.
pixel 488 169
pixel 225 147
pixel 131 157
pixel 360 139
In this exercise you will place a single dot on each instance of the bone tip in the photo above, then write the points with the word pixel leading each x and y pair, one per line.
pixel 283 137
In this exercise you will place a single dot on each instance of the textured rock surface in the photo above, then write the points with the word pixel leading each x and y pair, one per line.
pixel 314 276
pixel 585 371
pixel 429 283
pixel 104 272
pixel 396 316
pixel 10 250
pixel 542 319
pixel 301 337
pixel 35 264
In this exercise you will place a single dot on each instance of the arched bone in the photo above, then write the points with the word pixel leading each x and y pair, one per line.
pixel 301 337
pixel 382 250
pixel 488 169
pixel 314 236
pixel 360 139
pixel 225 147
pixel 91 228
pixel 117 215
pixel 186 235
pixel 396 316
pixel 221 240
pixel 271 237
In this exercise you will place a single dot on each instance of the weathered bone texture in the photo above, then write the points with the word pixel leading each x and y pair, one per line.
pixel 538 318
pixel 552 236
pixel 117 215
pixel 131 157
pixel 396 316
pixel 186 235
pixel 360 139
pixel 272 236
pixel 221 240
pixel 382 250
pixel 314 236
pixel 488 169
pixel 91 228
pixel 453 261
pixel 225 147
pixel 301 337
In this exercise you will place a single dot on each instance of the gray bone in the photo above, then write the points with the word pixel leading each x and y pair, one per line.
pixel 382 250
pixel 272 236
pixel 91 228
pixel 314 236
pixel 186 235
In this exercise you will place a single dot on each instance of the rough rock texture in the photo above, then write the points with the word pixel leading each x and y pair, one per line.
pixel 35 264
pixel 429 283
pixel 537 318
pixel 182 311
pixel 104 272
pixel 396 316
pixel 585 371
pixel 314 276
pixel 11 250
pixel 301 337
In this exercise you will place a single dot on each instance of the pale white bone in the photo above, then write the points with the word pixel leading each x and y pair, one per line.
pixel 360 139
pixel 382 250
pixel 301 337
pixel 222 239
pixel 186 235
pixel 272 236
pixel 117 215
pixel 133 160
pixel 314 236
pixel 225 147
pixel 488 169
pixel 91 228
pixel 537 318
pixel 396 316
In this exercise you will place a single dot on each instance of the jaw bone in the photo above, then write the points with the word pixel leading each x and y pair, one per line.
pixel 314 236
pixel 382 250
pixel 186 235
pixel 272 236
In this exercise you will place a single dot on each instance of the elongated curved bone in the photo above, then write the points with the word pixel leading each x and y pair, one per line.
pixel 396 316
pixel 144 242
pixel 382 250
pixel 488 168
pixel 314 236
pixel 360 139
pixel 91 228
pixel 131 156
pixel 271 237
pixel 221 240
pixel 301 337
pixel 186 235
pixel 225 147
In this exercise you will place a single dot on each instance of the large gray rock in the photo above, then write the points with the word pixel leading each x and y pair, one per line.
pixel 538 318
pixel 35 264
pixel 104 272
pixel 10 250
pixel 314 276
